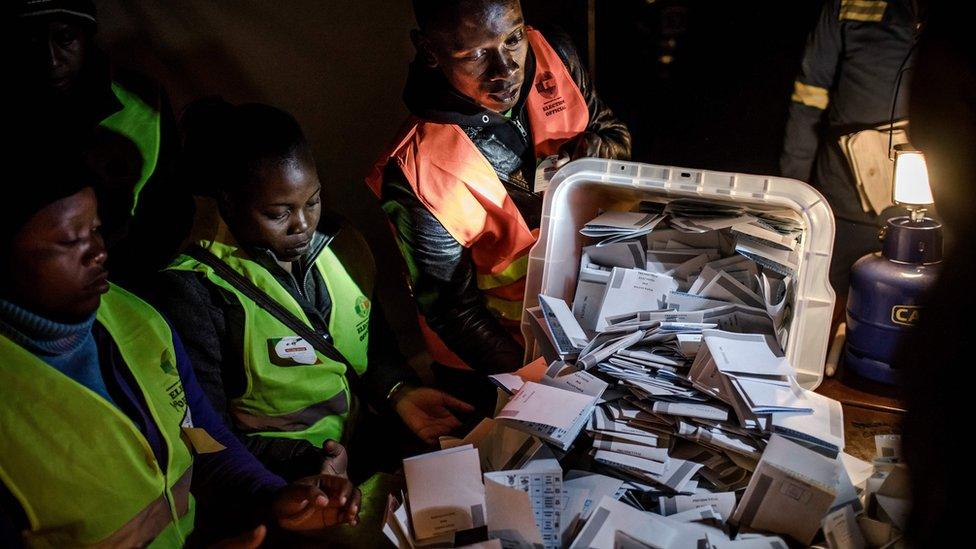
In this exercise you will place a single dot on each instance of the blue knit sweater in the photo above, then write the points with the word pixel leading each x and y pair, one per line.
pixel 69 348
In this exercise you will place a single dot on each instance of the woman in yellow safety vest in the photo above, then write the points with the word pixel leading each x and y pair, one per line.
pixel 283 393
pixel 107 437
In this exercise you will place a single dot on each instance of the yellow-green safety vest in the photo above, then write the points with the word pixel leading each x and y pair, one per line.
pixel 292 390
pixel 81 470
pixel 140 122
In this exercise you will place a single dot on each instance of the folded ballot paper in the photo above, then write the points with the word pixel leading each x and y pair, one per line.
pixel 612 518
pixel 500 447
pixel 628 254
pixel 791 491
pixel 726 357
pixel 722 502
pixel 614 524
pixel 445 492
pixel 631 290
pixel 615 226
pixel 562 330
pixel 552 413
pixel 525 506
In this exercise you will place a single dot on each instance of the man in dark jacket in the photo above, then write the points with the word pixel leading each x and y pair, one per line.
pixel 490 98
pixel 846 84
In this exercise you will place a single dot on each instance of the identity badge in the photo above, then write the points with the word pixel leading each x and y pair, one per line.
pixel 545 170
pixel 291 351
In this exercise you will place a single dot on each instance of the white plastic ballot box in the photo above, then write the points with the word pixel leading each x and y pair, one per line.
pixel 580 190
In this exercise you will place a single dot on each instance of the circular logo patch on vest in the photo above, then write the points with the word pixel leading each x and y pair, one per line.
pixel 362 306
pixel 545 84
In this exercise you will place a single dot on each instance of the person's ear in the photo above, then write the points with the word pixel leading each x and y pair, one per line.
pixel 425 51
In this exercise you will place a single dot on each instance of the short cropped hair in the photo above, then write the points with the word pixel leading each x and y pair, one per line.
pixel 432 14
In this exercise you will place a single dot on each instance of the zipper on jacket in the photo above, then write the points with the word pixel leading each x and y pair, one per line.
pixel 521 128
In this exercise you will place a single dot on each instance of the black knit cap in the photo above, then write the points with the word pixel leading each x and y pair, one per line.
pixel 41 179
pixel 83 10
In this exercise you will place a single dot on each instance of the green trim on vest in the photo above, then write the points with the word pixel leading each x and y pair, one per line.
pixel 141 123
pixel 292 390
pixel 60 439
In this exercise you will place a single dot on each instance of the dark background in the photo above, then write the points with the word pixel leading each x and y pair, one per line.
pixel 701 83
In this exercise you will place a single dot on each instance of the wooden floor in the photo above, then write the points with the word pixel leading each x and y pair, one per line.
pixel 869 409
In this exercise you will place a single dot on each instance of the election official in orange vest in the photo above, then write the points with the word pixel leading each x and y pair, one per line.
pixel 489 97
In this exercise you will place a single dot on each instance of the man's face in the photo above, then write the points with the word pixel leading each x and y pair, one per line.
pixel 58 260
pixel 483 54
pixel 280 212
pixel 56 54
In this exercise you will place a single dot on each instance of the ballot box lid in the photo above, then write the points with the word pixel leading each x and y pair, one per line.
pixel 581 189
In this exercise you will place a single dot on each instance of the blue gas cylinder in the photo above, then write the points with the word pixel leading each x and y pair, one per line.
pixel 884 301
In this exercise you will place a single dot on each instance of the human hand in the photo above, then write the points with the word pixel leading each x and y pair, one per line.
pixel 317 502
pixel 427 412
pixel 335 460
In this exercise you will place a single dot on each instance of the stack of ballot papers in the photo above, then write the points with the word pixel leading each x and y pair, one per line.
pixel 614 524
pixel 660 462
pixel 701 216
pixel 693 256
pixel 615 226
pixel 664 412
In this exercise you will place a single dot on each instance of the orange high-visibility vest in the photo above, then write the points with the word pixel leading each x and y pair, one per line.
pixel 453 180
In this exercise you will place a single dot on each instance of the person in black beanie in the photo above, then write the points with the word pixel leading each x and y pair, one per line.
pixel 67 92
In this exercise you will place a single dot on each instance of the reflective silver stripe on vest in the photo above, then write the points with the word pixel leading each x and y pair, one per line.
pixel 141 529
pixel 181 492
pixel 295 421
